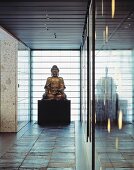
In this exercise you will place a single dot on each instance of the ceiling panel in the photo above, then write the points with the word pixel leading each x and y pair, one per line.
pixel 58 24
pixel 45 24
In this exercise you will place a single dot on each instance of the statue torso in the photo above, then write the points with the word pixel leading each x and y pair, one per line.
pixel 55 83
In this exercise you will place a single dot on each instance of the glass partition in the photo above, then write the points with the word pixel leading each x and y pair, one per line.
pixel 23 85
pixel 114 104
pixel 87 90
pixel 114 86
pixel 68 63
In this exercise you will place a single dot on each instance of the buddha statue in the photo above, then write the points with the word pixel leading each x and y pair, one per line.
pixel 54 87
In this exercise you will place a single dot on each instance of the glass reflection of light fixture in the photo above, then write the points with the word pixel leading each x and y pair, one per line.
pixel 95 117
pixel 117 143
pixel 113 8
pixel 120 120
pixel 106 34
pixel 108 125
pixel 102 10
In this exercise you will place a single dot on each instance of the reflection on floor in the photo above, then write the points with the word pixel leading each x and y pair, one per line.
pixel 21 124
pixel 45 148
pixel 60 148
pixel 115 150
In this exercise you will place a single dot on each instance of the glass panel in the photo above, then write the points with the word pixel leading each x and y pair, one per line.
pixel 52 53
pixel 51 59
pixel 64 71
pixel 114 87
pixel 23 83
pixel 69 65
pixel 86 87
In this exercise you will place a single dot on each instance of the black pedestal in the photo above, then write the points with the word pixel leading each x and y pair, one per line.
pixel 53 112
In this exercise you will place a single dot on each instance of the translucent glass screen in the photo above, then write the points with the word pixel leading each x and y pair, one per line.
pixel 69 65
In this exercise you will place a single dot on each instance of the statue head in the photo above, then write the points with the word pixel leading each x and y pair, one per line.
pixel 55 71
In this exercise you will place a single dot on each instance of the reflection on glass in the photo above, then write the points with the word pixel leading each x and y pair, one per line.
pixel 113 8
pixel 100 168
pixel 106 36
pixel 113 86
pixel 102 7
pixel 117 143
pixel 106 99
pixel 120 119
pixel 108 126
pixel 95 117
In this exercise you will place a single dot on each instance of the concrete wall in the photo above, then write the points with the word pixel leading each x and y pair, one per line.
pixel 8 82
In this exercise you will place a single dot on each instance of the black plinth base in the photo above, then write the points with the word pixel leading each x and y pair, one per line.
pixel 53 112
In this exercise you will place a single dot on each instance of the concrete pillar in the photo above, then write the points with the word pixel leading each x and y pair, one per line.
pixel 8 82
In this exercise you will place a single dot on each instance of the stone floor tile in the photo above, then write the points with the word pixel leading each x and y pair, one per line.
pixel 26 168
pixel 60 168
pixel 9 165
pixel 63 155
pixel 8 168
pixel 61 165
pixel 34 166
pixel 124 168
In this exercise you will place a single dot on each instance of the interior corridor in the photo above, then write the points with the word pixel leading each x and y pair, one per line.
pixel 91 42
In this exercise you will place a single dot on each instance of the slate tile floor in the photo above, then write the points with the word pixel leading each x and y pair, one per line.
pixel 44 148
pixel 56 148
pixel 115 150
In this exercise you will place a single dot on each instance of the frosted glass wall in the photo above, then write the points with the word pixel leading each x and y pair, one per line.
pixel 69 65
pixel 23 83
